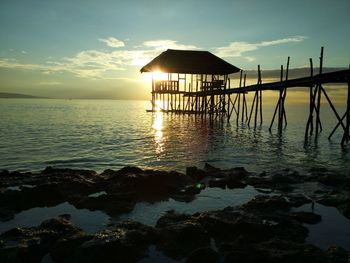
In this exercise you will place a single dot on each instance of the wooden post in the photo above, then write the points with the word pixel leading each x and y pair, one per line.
pixel 346 131
pixel 228 107
pixel 278 105
pixel 251 109
pixel 153 91
pixel 309 124
pixel 318 89
pixel 244 103
pixel 258 100
pixel 284 98
pixel 239 97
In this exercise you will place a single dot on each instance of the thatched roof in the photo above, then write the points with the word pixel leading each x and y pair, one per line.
pixel 190 62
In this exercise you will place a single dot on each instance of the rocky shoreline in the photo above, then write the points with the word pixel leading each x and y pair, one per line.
pixel 265 229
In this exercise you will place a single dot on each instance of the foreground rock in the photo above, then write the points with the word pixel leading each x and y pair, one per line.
pixel 263 230
pixel 266 229
pixel 123 189
pixel 31 244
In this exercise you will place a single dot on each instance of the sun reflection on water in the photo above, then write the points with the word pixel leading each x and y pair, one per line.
pixel 158 135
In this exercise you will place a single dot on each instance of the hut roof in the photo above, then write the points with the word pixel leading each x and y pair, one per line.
pixel 190 62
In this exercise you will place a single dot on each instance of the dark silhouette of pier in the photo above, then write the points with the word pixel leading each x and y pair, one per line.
pixel 198 83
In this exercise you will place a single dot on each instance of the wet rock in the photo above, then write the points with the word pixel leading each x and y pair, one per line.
pixel 178 238
pixel 229 224
pixel 203 255
pixel 241 251
pixel 338 255
pixel 67 249
pixel 264 190
pixel 191 190
pixel 191 171
pixel 195 173
pixel 125 242
pixel 267 203
pixel 31 244
pixel 6 214
pixel 318 170
pixel 334 179
pixel 112 204
pixel 276 251
pixel 149 185
pixel 210 168
pixel 130 170
pixel 285 251
pixel 306 217
pixel 66 171
pixel 213 171
pixel 170 218
pixel 4 173
pixel 296 200
pixel 334 199
pixel 233 183
pixel 283 179
pixel 217 182
pixel 237 173
pixel 259 182
pixel 345 209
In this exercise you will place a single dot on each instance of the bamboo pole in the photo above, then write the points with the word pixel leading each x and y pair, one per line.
pixel 318 122
pixel 251 109
pixel 346 132
pixel 278 104
pixel 239 97
pixel 244 101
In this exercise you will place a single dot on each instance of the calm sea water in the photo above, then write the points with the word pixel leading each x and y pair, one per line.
pixel 101 134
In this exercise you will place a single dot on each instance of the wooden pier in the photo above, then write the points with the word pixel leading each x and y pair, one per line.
pixel 197 82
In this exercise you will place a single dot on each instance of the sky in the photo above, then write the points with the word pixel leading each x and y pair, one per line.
pixel 95 49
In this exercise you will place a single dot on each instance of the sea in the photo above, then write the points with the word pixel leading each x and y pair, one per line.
pixel 110 134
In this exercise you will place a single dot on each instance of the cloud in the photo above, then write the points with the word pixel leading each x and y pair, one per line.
pixel 49 83
pixel 237 49
pixel 96 64
pixel 112 42
pixel 167 44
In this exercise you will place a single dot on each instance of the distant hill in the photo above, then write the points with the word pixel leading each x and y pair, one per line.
pixel 18 96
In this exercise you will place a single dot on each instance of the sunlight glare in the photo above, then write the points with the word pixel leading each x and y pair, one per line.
pixel 158 135
pixel 158 75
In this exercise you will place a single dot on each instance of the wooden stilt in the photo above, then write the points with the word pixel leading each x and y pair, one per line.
pixel 318 89
pixel 244 103
pixel 239 97
pixel 284 94
pixel 346 134
pixel 278 105
pixel 309 124
pixel 251 109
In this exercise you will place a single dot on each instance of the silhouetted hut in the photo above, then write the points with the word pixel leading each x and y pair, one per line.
pixel 188 74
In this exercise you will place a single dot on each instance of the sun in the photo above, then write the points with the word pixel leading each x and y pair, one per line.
pixel 159 75
pixel 155 75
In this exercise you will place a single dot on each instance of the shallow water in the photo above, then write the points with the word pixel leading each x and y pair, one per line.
pixel 333 230
pixel 146 213
pixel 89 221
pixel 208 199
pixel 101 134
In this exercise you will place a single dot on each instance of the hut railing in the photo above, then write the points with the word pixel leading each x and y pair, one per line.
pixel 167 85
pixel 212 85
